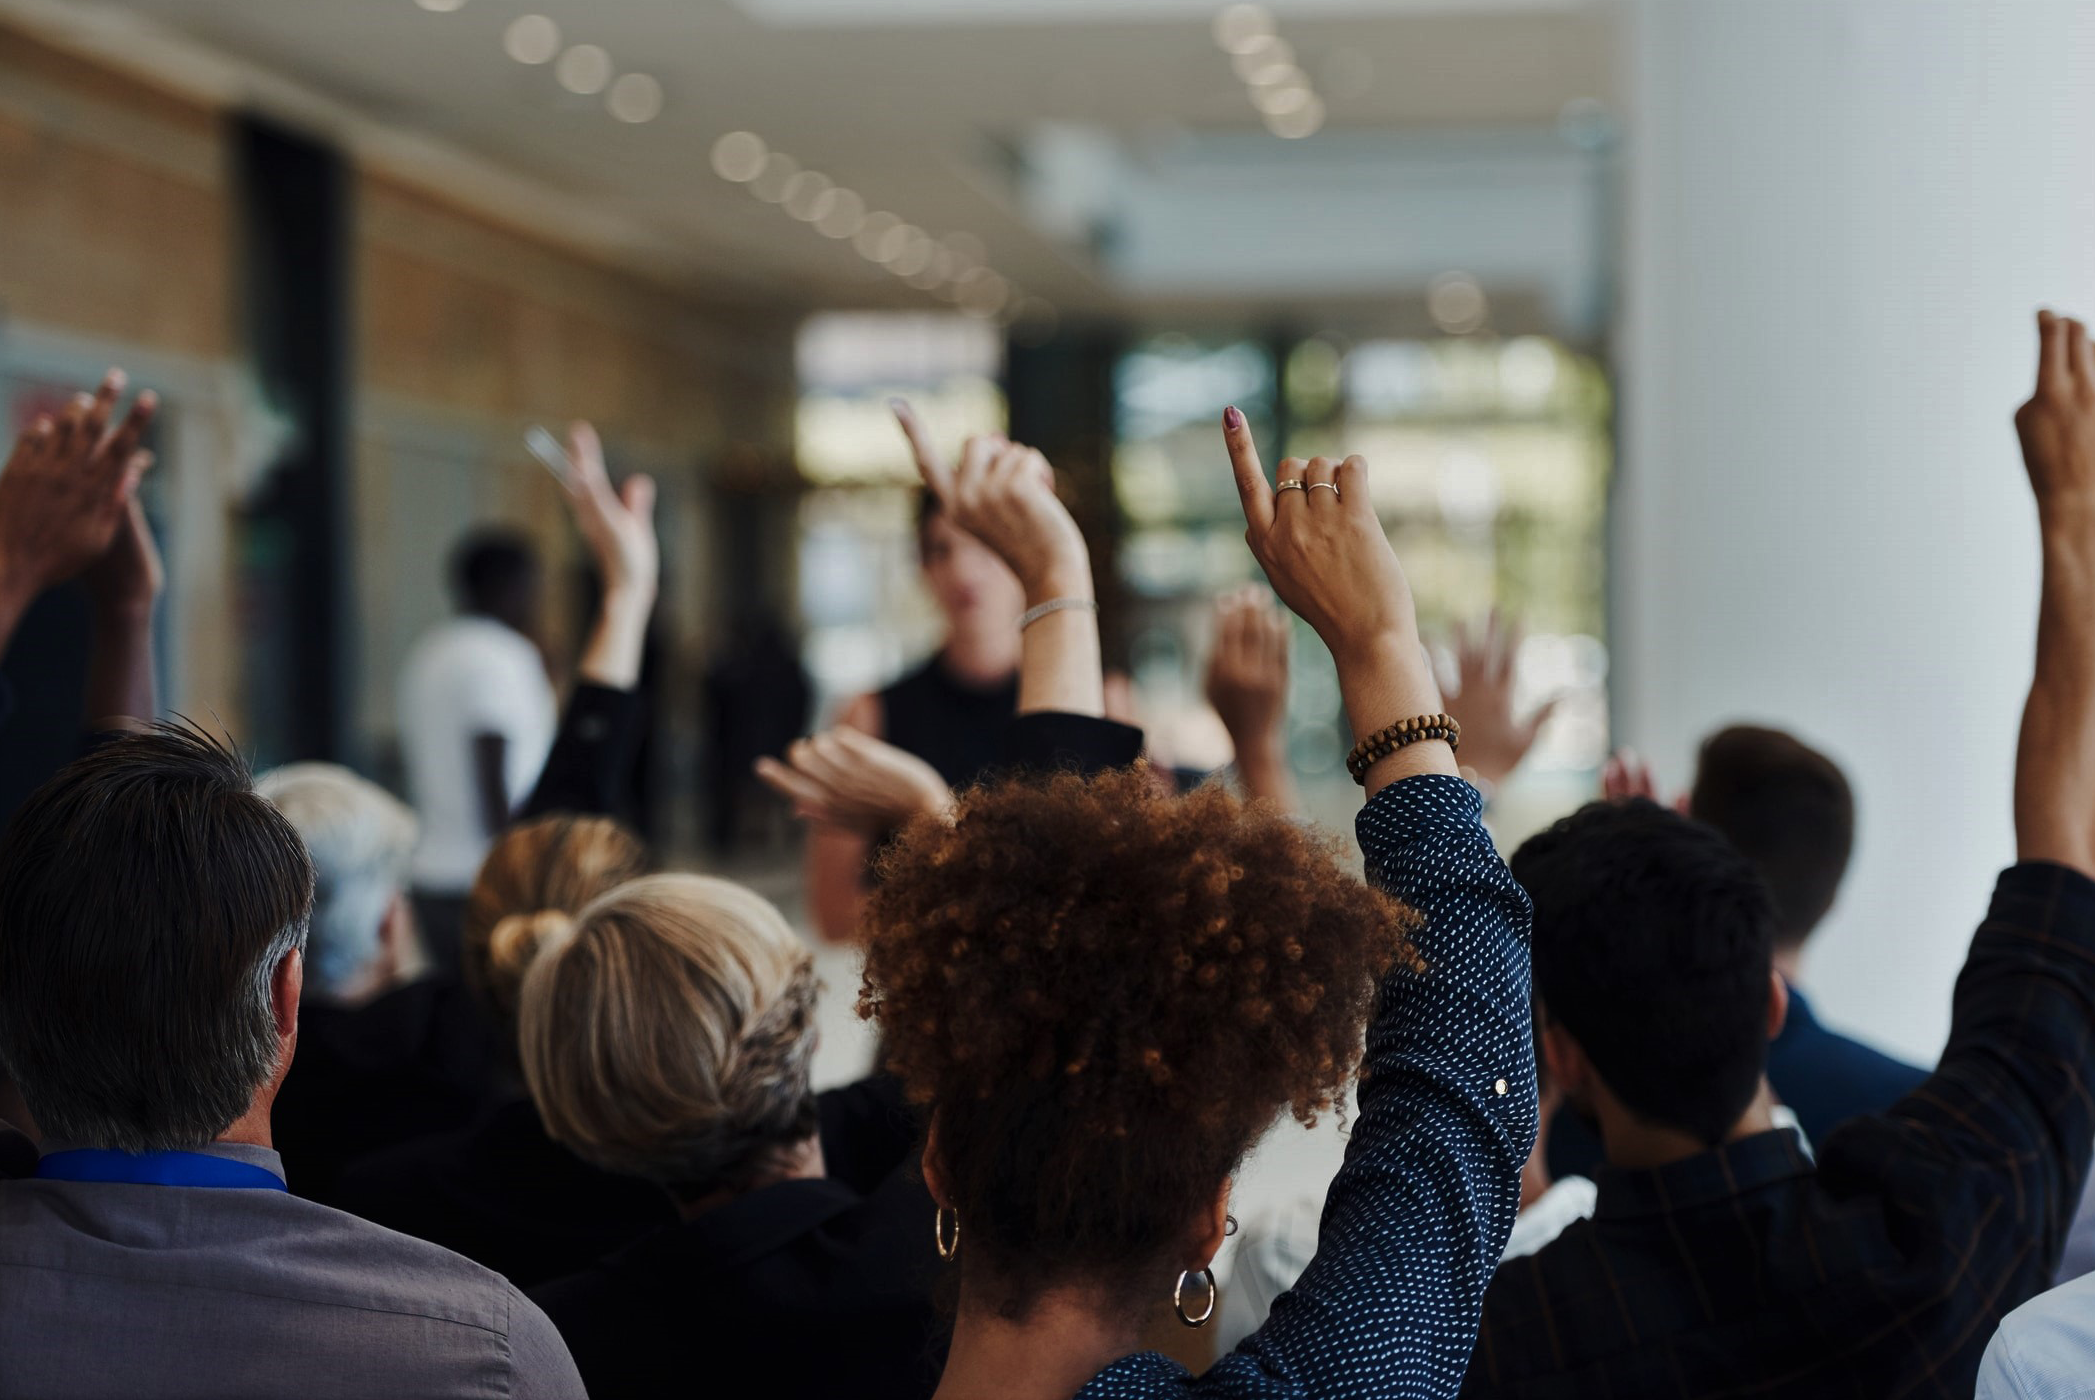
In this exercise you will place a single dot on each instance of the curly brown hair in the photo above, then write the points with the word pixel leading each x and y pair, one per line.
pixel 1106 995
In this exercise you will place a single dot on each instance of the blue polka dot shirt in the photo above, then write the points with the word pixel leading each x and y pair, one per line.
pixel 1419 1214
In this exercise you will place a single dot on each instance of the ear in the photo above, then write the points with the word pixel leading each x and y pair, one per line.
pixel 1568 1069
pixel 1211 1228
pixel 934 1173
pixel 1778 1004
pixel 286 985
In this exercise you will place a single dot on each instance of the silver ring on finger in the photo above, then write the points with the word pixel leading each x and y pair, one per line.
pixel 1330 486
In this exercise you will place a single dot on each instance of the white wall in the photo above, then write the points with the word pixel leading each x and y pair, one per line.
pixel 1842 214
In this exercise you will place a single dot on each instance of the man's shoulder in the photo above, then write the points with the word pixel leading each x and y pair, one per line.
pixel 2050 1340
pixel 268 1246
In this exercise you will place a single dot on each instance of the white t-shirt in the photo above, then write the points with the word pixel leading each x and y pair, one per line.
pixel 466 677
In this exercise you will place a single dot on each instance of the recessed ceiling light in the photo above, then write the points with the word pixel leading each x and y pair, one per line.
pixel 739 156
pixel 1279 101
pixel 1457 303
pixel 771 182
pixel 913 257
pixel 635 97
pixel 871 240
pixel 584 70
pixel 846 213
pixel 1306 120
pixel 983 293
pixel 1241 26
pixel 531 39
pixel 442 7
pixel 808 195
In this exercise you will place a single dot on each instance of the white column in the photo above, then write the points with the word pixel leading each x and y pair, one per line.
pixel 1841 217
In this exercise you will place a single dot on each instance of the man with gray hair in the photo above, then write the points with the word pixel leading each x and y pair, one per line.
pixel 384 1055
pixel 153 925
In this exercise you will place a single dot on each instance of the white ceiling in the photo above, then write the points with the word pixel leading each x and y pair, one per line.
pixel 922 106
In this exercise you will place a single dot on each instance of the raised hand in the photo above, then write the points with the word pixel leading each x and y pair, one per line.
pixel 66 489
pixel 1003 493
pixel 129 576
pixel 849 779
pixel 1626 777
pixel 1316 535
pixel 619 527
pixel 1247 683
pixel 1494 739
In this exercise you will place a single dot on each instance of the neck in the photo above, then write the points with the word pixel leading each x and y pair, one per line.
pixel 251 1129
pixel 1640 1146
pixel 1062 1342
pixel 981 656
pixel 802 1162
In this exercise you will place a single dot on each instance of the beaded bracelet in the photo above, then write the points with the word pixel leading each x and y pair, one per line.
pixel 1404 733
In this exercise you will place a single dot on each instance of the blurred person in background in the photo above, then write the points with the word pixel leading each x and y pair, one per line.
pixel 950 712
pixel 1247 684
pixel 476 718
pixel 385 1053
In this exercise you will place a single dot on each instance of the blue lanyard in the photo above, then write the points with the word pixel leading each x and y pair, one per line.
pixel 156 1169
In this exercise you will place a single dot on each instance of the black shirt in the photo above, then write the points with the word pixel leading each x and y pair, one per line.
pixel 956 729
pixel 821 1288
pixel 505 1195
pixel 418 1060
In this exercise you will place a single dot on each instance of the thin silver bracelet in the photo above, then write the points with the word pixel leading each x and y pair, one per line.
pixel 1053 605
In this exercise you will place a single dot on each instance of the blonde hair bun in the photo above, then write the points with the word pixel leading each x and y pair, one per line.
pixel 517 939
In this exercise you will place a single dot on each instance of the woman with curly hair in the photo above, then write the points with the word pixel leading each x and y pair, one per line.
pixel 1104 997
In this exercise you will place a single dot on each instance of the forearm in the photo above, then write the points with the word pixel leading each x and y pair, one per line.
pixel 120 669
pixel 1382 682
pixel 617 640
pixel 836 881
pixel 2055 758
pixel 1060 668
pixel 15 597
pixel 1262 767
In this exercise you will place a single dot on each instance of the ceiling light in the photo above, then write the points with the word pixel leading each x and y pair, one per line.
pixel 1270 54
pixel 913 252
pixel 531 39
pixel 1279 101
pixel 808 195
pixel 983 293
pixel 584 70
pixel 771 182
pixel 846 212
pixel 636 98
pixel 739 156
pixel 442 7
pixel 873 234
pixel 1241 26
pixel 1457 303
pixel 1306 120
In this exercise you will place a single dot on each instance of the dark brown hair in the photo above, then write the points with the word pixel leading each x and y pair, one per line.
pixel 147 895
pixel 1106 994
pixel 1788 808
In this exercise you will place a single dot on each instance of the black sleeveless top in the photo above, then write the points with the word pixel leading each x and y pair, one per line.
pixel 953 727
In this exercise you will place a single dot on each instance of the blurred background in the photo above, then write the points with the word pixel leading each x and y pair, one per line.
pixel 1685 331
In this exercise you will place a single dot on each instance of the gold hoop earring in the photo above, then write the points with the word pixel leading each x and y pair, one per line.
pixel 1178 1299
pixel 938 1233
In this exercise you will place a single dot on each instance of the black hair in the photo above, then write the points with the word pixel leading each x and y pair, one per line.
pixel 1789 809
pixel 1653 943
pixel 490 568
pixel 147 895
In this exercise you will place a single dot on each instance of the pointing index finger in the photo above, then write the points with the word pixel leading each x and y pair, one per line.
pixel 938 479
pixel 1252 489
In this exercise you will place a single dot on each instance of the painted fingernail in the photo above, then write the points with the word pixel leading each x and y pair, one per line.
pixel 1232 418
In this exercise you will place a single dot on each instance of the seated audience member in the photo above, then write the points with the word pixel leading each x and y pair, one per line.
pixel 153 916
pixel 1720 1260
pixel 384 1055
pixel 1105 994
pixel 666 1034
pixel 477 717
pixel 498 1189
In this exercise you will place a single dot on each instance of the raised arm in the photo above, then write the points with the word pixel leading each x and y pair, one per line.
pixel 587 767
pixel 1495 737
pixel 2055 761
pixel 124 584
pixel 1417 1217
pixel 65 492
pixel 1247 683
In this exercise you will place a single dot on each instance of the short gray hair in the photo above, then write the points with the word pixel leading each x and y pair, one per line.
pixel 361 838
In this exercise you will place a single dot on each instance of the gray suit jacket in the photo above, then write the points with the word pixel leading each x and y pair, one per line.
pixel 113 1290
